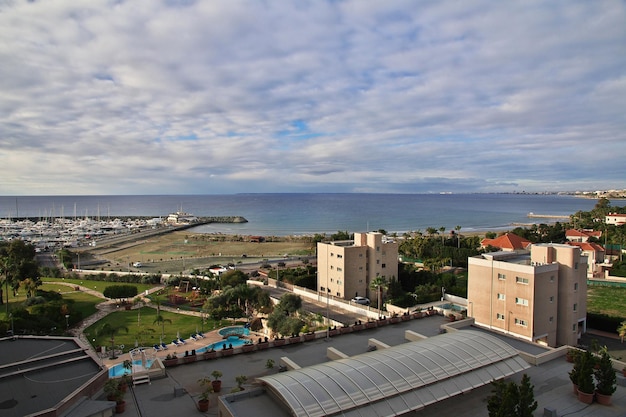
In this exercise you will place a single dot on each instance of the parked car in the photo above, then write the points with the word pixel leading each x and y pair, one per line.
pixel 361 300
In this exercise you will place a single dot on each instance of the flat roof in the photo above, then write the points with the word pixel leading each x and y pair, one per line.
pixel 38 373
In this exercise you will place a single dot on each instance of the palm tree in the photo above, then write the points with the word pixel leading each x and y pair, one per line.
pixel 458 235
pixel 379 284
pixel 112 330
pixel 442 229
pixel 159 318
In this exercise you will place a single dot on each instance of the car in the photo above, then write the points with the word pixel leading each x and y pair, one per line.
pixel 137 264
pixel 361 300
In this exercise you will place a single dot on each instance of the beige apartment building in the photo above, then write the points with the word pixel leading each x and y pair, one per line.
pixel 538 295
pixel 346 268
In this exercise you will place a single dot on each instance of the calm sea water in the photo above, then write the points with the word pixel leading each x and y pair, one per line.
pixel 299 214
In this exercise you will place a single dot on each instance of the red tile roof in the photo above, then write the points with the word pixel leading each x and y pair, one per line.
pixel 507 241
pixel 583 233
pixel 587 246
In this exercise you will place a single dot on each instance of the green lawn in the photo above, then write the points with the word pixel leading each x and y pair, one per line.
pixel 83 302
pixel 606 300
pixel 143 329
pixel 98 285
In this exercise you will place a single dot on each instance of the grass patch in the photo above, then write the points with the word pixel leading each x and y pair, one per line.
pixel 143 329
pixel 606 300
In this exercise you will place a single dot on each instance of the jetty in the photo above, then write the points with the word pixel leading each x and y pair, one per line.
pixel 546 216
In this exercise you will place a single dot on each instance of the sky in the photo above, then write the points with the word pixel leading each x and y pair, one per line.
pixel 106 97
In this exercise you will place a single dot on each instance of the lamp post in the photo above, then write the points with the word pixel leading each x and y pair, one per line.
pixel 67 321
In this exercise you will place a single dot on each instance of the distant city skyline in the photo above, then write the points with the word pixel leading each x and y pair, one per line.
pixel 191 97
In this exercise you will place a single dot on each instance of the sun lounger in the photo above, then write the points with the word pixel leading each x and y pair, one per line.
pixel 200 334
pixel 181 341
pixel 194 337
pixel 157 347
pixel 163 346
pixel 176 342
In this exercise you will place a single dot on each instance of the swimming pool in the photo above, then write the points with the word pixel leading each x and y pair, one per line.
pixel 231 340
pixel 452 307
pixel 119 370
pixel 234 331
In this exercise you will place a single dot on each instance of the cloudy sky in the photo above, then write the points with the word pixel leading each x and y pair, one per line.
pixel 214 97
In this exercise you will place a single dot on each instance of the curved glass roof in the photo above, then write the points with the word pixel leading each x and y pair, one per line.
pixel 398 379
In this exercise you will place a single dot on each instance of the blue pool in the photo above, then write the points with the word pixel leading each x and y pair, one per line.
pixel 231 340
pixel 234 331
pixel 118 370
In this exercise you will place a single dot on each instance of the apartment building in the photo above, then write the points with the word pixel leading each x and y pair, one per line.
pixel 539 295
pixel 346 268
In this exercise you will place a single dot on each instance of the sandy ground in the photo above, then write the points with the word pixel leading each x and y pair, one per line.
pixel 181 251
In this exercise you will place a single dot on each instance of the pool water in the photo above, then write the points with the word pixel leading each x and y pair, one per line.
pixel 232 340
pixel 118 370
pixel 234 330
pixel 452 307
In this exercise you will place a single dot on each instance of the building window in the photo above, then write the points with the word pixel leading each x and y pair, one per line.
pixel 377 261
pixel 521 301
pixel 338 294
pixel 331 280
pixel 360 268
pixel 501 276
pixel 575 265
pixel 521 322
pixel 521 280
pixel 322 289
pixel 360 281
pixel 332 254
pixel 575 306
pixel 377 248
pixel 332 267
pixel 360 255
pixel 383 266
pixel 339 269
pixel 384 253
pixel 501 296
pixel 339 256
pixel 551 278
pixel 338 282
pixel 551 319
pixel 552 298
pixel 575 286
pixel 500 316
pixel 574 327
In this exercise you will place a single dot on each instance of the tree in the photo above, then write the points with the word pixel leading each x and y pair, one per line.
pixel 111 330
pixel 379 284
pixel 621 330
pixel 442 229
pixel 458 235
pixel 17 262
pixel 527 404
pixel 504 399
pixel 161 320
pixel 120 291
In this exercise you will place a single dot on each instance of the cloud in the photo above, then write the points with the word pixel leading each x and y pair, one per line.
pixel 158 97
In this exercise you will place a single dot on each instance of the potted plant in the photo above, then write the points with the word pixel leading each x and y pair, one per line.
pixel 248 346
pixel 170 360
pixel 575 373
pixel 114 392
pixel 269 364
pixel 210 354
pixel 586 386
pixel 126 378
pixel 263 343
pixel 217 382
pixel 241 379
pixel 571 354
pixel 207 388
pixel 606 381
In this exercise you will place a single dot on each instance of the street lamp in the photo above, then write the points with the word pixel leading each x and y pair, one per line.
pixel 67 321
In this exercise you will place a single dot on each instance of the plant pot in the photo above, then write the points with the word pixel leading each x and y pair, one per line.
pixel 279 342
pixel 216 385
pixel 357 327
pixel 345 330
pixel 309 336
pixel 396 319
pixel 168 363
pixel 247 348
pixel 405 318
pixel 263 345
pixel 203 405
pixel 370 324
pixel 210 355
pixel 120 407
pixel 584 397
pixel 575 387
pixel 603 398
pixel 295 339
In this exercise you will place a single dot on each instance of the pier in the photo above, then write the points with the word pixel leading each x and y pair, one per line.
pixel 546 216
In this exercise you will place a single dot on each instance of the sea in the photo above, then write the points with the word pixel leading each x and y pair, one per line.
pixel 308 214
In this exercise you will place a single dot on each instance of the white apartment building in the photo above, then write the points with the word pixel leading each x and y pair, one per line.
pixel 538 295
pixel 346 268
